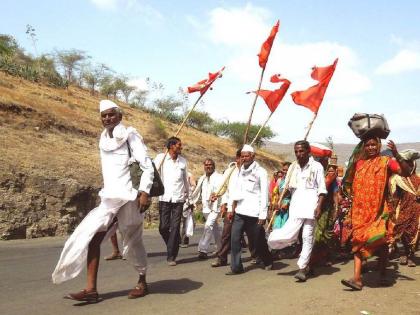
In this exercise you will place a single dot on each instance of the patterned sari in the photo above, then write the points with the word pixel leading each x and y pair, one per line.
pixel 369 213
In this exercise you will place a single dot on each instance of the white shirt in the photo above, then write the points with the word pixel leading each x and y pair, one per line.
pixel 205 187
pixel 251 191
pixel 116 171
pixel 174 176
pixel 306 184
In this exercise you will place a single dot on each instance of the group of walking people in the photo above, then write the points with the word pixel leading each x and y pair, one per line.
pixel 304 206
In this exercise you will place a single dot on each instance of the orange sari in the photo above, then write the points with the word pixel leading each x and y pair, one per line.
pixel 369 213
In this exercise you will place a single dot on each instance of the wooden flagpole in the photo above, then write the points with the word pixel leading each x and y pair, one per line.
pixel 261 128
pixel 285 188
pixel 252 108
pixel 310 126
pixel 181 126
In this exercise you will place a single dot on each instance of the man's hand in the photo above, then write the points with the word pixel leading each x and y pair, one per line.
pixel 213 197
pixel 144 201
pixel 261 222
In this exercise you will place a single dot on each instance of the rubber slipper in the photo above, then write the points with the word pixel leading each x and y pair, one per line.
pixel 352 284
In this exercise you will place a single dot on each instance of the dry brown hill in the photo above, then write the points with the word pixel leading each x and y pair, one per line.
pixel 50 171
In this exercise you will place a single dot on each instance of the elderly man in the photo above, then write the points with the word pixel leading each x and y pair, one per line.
pixel 250 203
pixel 207 186
pixel 307 186
pixel 174 173
pixel 120 201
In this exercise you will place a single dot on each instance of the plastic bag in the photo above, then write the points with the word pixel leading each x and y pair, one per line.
pixel 189 223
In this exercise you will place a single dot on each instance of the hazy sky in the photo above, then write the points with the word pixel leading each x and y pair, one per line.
pixel 178 42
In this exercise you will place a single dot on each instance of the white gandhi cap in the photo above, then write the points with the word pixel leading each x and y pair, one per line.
pixel 106 104
pixel 247 148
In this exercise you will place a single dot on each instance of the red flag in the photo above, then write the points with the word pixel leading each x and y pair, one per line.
pixel 266 46
pixel 313 96
pixel 273 98
pixel 203 85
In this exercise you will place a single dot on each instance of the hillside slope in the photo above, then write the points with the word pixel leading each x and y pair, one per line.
pixel 50 169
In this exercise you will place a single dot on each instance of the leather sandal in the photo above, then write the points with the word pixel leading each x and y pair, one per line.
pixel 350 283
pixel 114 256
pixel 218 263
pixel 139 290
pixel 84 296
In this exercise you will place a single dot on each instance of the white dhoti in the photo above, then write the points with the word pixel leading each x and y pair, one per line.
pixel 211 228
pixel 130 222
pixel 288 235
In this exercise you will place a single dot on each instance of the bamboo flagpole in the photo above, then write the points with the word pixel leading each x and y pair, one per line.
pixel 261 128
pixel 310 126
pixel 180 127
pixel 283 193
pixel 253 107
pixel 262 61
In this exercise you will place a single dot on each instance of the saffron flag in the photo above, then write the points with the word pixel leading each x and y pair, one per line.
pixel 203 85
pixel 273 98
pixel 266 46
pixel 313 96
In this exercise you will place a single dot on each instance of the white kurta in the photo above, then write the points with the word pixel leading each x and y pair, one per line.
pixel 118 198
pixel 306 184
pixel 251 191
pixel 205 187
pixel 174 176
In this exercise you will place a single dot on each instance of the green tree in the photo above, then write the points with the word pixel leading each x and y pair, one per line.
pixel 167 108
pixel 8 45
pixel 139 98
pixel 235 131
pixel 107 86
pixel 200 120
pixel 70 61
pixel 92 76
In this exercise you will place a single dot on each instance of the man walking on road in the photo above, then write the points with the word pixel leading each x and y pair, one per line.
pixel 307 186
pixel 174 174
pixel 120 202
pixel 250 203
pixel 206 187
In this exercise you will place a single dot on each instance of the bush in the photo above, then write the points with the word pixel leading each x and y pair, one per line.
pixel 158 129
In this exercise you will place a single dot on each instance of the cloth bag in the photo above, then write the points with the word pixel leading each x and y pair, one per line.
pixel 363 125
pixel 157 188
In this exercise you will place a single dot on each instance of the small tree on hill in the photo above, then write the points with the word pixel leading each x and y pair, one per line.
pixel 200 120
pixel 70 61
pixel 167 108
pixel 235 131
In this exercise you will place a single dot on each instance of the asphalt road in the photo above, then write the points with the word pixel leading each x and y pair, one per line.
pixel 193 287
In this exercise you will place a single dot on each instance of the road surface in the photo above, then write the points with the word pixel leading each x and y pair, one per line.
pixel 193 287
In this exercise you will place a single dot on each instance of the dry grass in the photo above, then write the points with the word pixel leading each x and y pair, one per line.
pixel 54 132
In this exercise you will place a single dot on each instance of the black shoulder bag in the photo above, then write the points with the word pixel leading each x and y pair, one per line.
pixel 135 171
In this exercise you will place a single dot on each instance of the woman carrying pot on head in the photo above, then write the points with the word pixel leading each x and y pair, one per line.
pixel 366 181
